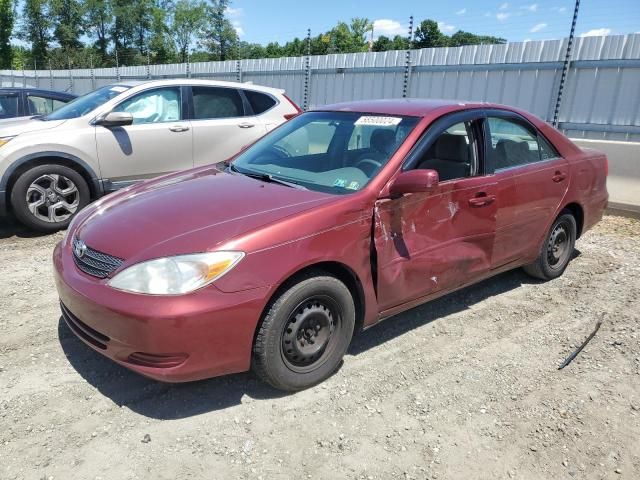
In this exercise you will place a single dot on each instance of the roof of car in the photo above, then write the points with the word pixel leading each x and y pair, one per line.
pixel 192 81
pixel 37 90
pixel 416 107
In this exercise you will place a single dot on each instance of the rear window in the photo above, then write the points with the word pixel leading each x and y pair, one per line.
pixel 214 102
pixel 260 102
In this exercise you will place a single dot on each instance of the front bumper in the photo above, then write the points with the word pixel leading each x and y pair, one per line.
pixel 172 339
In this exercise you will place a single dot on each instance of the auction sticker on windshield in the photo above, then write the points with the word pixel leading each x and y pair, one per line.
pixel 378 121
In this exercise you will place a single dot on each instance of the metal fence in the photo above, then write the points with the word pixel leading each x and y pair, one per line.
pixel 601 97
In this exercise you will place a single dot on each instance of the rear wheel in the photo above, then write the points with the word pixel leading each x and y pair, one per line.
pixel 47 197
pixel 557 249
pixel 304 334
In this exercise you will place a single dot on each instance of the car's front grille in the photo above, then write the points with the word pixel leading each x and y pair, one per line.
pixel 92 262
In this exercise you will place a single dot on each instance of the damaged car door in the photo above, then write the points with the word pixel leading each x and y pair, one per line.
pixel 428 242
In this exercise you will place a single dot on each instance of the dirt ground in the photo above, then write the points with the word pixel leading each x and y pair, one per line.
pixel 466 387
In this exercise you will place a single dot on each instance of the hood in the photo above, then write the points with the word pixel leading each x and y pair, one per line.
pixel 16 126
pixel 194 211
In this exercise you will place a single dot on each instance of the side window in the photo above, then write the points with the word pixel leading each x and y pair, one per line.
pixel 42 105
pixel 452 154
pixel 8 105
pixel 512 144
pixel 212 102
pixel 546 150
pixel 260 102
pixel 313 138
pixel 154 106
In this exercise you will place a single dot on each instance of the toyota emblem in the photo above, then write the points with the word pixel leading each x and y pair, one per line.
pixel 79 248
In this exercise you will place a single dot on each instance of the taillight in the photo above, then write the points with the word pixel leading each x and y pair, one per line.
pixel 606 166
pixel 289 116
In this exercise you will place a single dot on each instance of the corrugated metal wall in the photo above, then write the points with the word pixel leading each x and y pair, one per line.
pixel 601 97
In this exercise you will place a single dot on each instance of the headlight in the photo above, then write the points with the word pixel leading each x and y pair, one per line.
pixel 5 140
pixel 175 275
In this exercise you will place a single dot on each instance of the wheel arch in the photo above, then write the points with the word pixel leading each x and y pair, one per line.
pixel 332 268
pixel 27 162
pixel 578 213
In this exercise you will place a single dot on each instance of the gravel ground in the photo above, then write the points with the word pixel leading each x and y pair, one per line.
pixel 464 387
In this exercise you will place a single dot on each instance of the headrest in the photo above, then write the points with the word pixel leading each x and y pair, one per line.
pixel 452 147
pixel 383 140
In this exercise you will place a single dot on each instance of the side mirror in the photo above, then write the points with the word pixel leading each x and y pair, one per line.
pixel 115 119
pixel 414 181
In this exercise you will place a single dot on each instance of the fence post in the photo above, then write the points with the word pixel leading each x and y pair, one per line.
pixel 70 77
pixel 188 67
pixel 93 75
pixel 35 73
pixel 307 73
pixel 407 61
pixel 148 66
pixel 24 78
pixel 565 66
pixel 50 76
pixel 238 71
pixel 117 66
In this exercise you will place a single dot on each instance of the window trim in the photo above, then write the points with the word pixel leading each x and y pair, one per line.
pixel 191 110
pixel 140 92
pixel 523 122
pixel 437 128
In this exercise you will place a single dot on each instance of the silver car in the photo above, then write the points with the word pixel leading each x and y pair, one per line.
pixel 53 166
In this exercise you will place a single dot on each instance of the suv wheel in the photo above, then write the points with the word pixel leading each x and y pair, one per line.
pixel 305 334
pixel 47 197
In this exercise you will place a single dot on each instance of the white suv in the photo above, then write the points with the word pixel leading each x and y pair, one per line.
pixel 52 166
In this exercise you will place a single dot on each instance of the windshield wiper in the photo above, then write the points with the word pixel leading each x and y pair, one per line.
pixel 266 177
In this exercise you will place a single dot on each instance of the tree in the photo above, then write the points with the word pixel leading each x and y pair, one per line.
pixel 6 30
pixel 160 42
pixel 222 37
pixel 461 38
pixel 36 28
pixel 68 20
pixel 382 43
pixel 98 23
pixel 428 35
pixel 188 22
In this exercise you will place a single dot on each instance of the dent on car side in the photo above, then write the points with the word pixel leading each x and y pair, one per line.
pixel 284 231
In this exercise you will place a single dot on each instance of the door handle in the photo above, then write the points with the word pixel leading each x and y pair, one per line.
pixel 559 176
pixel 178 128
pixel 247 125
pixel 482 200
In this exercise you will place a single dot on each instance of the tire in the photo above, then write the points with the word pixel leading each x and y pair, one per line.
pixel 304 334
pixel 38 191
pixel 557 249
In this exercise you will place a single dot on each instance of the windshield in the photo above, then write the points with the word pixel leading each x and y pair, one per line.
pixel 85 104
pixel 334 152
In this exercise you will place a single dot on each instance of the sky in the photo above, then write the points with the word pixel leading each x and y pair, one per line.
pixel 262 21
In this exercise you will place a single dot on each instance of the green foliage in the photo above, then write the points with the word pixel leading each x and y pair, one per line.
pixel 68 23
pixel 188 22
pixel 220 38
pixel 6 29
pixel 36 28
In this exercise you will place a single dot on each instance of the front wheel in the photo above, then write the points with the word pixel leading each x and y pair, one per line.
pixel 304 334
pixel 557 249
pixel 47 197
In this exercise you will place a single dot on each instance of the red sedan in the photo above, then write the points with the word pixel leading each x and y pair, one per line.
pixel 336 220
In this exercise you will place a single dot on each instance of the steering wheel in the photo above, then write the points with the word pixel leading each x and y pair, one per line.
pixel 369 162
pixel 281 151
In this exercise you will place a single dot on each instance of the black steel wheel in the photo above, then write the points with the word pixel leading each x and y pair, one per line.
pixel 557 249
pixel 305 333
